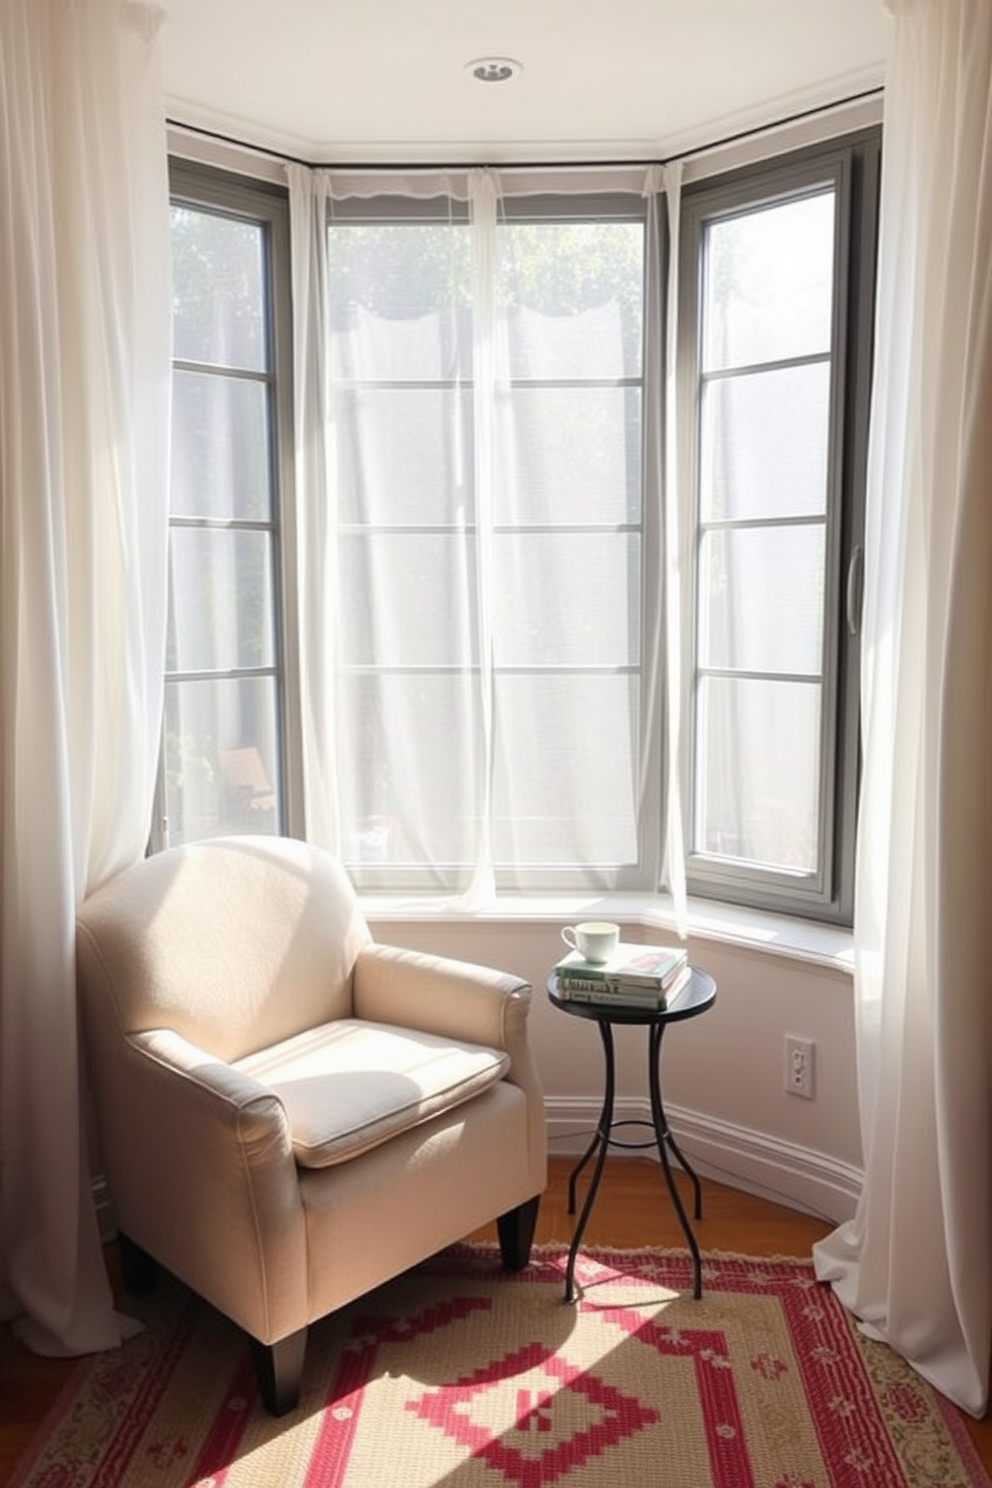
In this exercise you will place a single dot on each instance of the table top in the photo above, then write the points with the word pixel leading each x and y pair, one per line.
pixel 697 997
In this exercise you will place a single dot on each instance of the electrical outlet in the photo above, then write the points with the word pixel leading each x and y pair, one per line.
pixel 799 1066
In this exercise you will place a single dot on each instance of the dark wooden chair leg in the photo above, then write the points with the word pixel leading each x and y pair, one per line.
pixel 516 1234
pixel 139 1270
pixel 279 1367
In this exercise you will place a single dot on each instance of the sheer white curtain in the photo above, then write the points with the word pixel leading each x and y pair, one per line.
pixel 84 388
pixel 469 442
pixel 318 509
pixel 678 558
pixel 316 533
pixel 915 1263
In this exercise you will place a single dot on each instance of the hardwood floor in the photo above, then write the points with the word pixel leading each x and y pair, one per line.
pixel 632 1209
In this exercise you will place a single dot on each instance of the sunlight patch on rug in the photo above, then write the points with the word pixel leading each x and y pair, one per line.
pixel 458 1376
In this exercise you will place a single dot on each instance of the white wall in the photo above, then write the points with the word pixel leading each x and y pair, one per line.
pixel 723 1072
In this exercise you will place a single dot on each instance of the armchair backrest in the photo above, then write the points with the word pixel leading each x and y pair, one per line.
pixel 234 943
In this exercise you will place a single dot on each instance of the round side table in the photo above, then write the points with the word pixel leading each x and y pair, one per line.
pixel 698 997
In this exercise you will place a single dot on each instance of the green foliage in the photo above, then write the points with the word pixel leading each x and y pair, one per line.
pixel 554 268
pixel 219 302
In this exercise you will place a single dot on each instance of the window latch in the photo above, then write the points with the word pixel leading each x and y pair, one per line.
pixel 855 589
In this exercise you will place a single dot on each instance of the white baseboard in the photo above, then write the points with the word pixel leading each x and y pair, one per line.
pixel 798 1177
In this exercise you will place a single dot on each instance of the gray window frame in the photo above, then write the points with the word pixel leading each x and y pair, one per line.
pixel 265 205
pixel 852 165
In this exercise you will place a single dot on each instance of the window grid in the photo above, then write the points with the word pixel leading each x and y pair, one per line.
pixel 808 746
pixel 222 760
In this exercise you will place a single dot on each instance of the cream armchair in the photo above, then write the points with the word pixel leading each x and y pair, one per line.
pixel 289 1114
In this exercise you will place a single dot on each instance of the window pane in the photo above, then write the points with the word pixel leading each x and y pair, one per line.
pixel 574 294
pixel 408 600
pixel 761 595
pixel 569 455
pixel 220 447
pixel 221 601
pixel 218 278
pixel 758 800
pixel 411 791
pixel 763 444
pixel 768 283
pixel 405 455
pixel 566 782
pixel 400 301
pixel 410 769
pixel 221 757
pixel 567 600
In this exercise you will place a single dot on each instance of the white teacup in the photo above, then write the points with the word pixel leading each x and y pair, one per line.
pixel 596 940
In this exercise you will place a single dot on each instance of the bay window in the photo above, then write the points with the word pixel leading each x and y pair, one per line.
pixel 492 449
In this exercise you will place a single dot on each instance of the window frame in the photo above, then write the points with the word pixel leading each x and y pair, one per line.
pixel 852 165
pixel 203 187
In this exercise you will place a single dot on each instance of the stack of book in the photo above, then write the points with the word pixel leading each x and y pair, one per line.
pixel 652 977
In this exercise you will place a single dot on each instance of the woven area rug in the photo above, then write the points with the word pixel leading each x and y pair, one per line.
pixel 458 1376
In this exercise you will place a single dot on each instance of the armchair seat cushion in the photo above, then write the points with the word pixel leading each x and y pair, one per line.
pixel 349 1085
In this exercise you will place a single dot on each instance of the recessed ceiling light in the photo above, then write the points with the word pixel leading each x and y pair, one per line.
pixel 493 69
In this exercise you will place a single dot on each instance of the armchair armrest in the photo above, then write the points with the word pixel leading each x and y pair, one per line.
pixel 201 1100
pixel 205 1158
pixel 439 995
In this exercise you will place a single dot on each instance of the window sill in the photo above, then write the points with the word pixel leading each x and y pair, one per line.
pixel 726 924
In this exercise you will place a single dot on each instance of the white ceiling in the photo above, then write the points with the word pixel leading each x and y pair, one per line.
pixel 385 80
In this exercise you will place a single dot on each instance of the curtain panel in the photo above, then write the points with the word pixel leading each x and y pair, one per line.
pixel 482 519
pixel 84 390
pixel 915 1263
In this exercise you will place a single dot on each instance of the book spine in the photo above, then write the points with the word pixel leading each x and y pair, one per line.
pixel 619 997
pixel 656 1004
pixel 614 981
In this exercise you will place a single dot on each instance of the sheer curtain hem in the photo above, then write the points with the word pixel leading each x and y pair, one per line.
pixel 41 1340
pixel 943 1359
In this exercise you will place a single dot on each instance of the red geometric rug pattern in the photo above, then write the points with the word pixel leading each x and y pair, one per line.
pixel 459 1376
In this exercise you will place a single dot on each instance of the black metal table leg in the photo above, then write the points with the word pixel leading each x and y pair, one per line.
pixel 602 1142
pixel 665 1140
pixel 688 1169
pixel 573 1176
